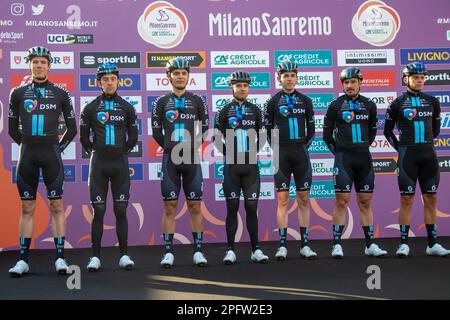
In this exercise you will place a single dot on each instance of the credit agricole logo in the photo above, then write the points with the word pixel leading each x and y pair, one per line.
pixel 163 25
pixel 376 23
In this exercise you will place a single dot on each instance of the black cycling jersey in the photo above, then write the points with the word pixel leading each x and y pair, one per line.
pixel 417 117
pixel 293 115
pixel 354 123
pixel 112 120
pixel 174 117
pixel 38 106
pixel 239 119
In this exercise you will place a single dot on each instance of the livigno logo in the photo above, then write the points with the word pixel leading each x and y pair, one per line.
pixel 163 25
pixel 376 23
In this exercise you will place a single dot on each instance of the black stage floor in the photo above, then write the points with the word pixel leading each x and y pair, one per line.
pixel 417 277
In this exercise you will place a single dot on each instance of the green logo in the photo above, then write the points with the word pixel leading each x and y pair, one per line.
pixel 260 81
pixel 318 146
pixel 321 101
pixel 306 58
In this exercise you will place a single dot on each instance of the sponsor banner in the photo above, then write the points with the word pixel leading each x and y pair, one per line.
pixel 239 59
pixel 445 120
pixel 135 101
pixel 70 174
pixel 160 82
pixel 70 39
pixel 437 78
pixel 381 120
pixel 381 145
pixel 154 170
pixel 121 59
pixel 136 152
pixel 321 101
pixel 318 146
pixel 319 189
pixel 149 127
pixel 66 81
pixel 384 165
pixel 319 122
pixel 267 192
pixel 379 79
pixel 61 60
pixel 163 25
pixel 10 36
pixel 85 100
pixel 376 23
pixel 442 96
pixel 219 101
pixel 154 149
pixel 306 58
pixel 136 171
pixel 89 82
pixel 322 167
pixel 260 81
pixel 312 80
pixel 139 126
pixel 359 58
pixel 442 142
pixel 150 102
pixel 266 169
pixel 381 99
pixel 444 163
pixel 426 55
pixel 158 59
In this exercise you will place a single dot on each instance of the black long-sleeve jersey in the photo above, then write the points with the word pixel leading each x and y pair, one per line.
pixel 37 107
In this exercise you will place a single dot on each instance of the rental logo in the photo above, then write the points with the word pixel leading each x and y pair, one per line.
pixel 306 58
pixel 426 55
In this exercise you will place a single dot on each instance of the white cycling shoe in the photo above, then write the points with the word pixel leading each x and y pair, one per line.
pixel 94 264
pixel 19 269
pixel 259 256
pixel 126 263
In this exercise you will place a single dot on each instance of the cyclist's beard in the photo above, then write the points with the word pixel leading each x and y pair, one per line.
pixel 238 99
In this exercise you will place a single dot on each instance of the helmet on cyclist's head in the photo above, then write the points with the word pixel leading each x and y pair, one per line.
pixel 287 66
pixel 177 63
pixel 38 51
pixel 350 73
pixel 107 68
pixel 240 76
pixel 414 68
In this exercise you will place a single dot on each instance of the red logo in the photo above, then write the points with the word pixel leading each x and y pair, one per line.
pixel 66 81
pixel 154 149
pixel 17 59
pixel 66 59
pixel 378 79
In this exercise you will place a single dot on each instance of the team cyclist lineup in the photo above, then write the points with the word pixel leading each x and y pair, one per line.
pixel 108 132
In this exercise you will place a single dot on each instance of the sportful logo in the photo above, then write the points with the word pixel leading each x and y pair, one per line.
pixel 121 59
pixel 162 25
pixel 376 23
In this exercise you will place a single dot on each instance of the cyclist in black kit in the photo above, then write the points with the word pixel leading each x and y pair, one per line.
pixel 38 106
pixel 417 116
pixel 113 123
pixel 291 114
pixel 179 120
pixel 240 123
pixel 350 127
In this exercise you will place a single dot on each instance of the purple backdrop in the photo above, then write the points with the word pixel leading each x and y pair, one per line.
pixel 259 34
